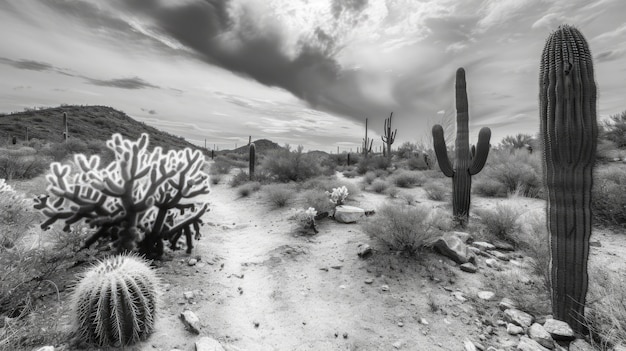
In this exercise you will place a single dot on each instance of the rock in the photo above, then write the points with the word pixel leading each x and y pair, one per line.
pixel 364 250
pixel 369 281
pixel 337 266
pixel 515 316
pixel 192 262
pixel 558 329
pixel 469 268
pixel 483 245
pixel 464 236
pixel 46 348
pixel 423 321
pixel 206 343
pixel 503 246
pixel 451 246
pixel 595 244
pixel 384 287
pixel 527 344
pixel 580 345
pixel 397 344
pixel 486 295
pixel 514 329
pixel 492 263
pixel 191 321
pixel 188 295
pixel 459 296
pixel 469 345
pixel 400 324
pixel 474 250
pixel 620 347
pixel 348 214
pixel 538 333
pixel 499 255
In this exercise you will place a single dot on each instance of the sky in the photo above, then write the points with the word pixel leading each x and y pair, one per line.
pixel 300 72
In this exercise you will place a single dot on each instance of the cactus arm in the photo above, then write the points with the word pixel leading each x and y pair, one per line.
pixel 481 152
pixel 187 221
pixel 439 144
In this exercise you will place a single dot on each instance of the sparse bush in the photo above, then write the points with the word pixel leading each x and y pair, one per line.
pixel 379 186
pixel 318 200
pixel 407 179
pixel 515 169
pixel 502 222
pixel 284 165
pixel 240 178
pixel 489 188
pixel 216 179
pixel 372 163
pixel 409 198
pixel 21 164
pixel 279 195
pixel 350 173
pixel 436 191
pixel 404 228
pixel 392 192
pixel 609 195
pixel 327 183
pixel 606 308
pixel 221 165
pixel 248 188
pixel 527 292
pixel 416 163
pixel 369 177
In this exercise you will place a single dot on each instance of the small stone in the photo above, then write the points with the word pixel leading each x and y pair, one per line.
pixel 486 295
pixel 459 296
pixel 338 266
pixel 191 321
pixel 369 281
pixel 515 316
pixel 506 303
pixel 527 344
pixel 192 262
pixel 559 329
pixel 423 321
pixel 499 255
pixel 206 343
pixel 451 246
pixel 397 345
pixel 46 348
pixel 503 246
pixel 188 295
pixel 468 267
pixel 538 333
pixel 483 245
pixel 400 324
pixel 474 250
pixel 364 250
pixel 385 288
pixel 514 329
pixel 580 345
pixel 324 269
pixel 469 345
pixel 345 335
pixel 492 263
pixel 256 324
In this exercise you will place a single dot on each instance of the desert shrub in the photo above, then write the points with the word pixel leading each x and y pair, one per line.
pixel 609 195
pixel 61 151
pixel 436 191
pixel 407 179
pixel 284 165
pixel 408 198
pixel 404 228
pixel 327 183
pixel 501 222
pixel 614 129
pixel 416 163
pixel 216 179
pixel 279 195
pixel 240 178
pixel 18 165
pixel 16 217
pixel 527 292
pixel 369 177
pixel 248 188
pixel 318 200
pixel 515 169
pixel 392 192
pixel 489 188
pixel 220 165
pixel 352 173
pixel 372 163
pixel 605 314
pixel 379 186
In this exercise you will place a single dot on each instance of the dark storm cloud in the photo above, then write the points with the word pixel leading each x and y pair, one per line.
pixel 122 83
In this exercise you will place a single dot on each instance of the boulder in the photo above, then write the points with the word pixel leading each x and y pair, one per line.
pixel 451 246
pixel 348 214
pixel 506 304
pixel 559 330
pixel 364 250
pixel 499 255
pixel 483 245
pixel 518 317
pixel 206 343
pixel 527 344
pixel 486 295
pixel 513 329
pixel 469 268
pixel 538 333
pixel 191 321
pixel 580 345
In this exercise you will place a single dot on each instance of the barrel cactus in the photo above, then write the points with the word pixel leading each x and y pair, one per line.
pixel 467 163
pixel 569 131
pixel 114 302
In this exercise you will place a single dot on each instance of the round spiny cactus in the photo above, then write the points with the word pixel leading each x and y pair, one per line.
pixel 114 302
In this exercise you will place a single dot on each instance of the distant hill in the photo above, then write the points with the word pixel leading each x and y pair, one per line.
pixel 261 146
pixel 85 123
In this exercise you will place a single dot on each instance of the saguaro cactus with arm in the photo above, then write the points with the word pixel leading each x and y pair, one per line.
pixel 367 142
pixel 567 102
pixel 389 137
pixel 467 164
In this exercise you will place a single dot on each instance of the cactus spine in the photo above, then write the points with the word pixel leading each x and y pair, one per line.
pixel 66 133
pixel 252 160
pixel 389 137
pixel 367 143
pixel 466 163
pixel 115 301
pixel 567 102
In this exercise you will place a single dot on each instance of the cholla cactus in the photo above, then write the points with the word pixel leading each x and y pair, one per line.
pixel 114 302
pixel 306 218
pixel 338 195
pixel 136 201
pixel 4 187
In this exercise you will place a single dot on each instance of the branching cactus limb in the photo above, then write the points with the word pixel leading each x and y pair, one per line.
pixel 569 131
pixel 388 136
pixel 467 163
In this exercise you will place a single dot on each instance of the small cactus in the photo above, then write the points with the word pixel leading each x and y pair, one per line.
pixel 115 301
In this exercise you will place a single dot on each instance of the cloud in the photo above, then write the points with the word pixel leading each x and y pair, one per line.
pixel 340 6
pixel 610 55
pixel 123 83
pixel 28 64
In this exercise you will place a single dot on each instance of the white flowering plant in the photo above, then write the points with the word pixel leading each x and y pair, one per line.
pixel 4 186
pixel 305 218
pixel 338 195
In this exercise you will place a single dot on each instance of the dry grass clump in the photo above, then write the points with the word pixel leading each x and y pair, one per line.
pixel 502 222
pixel 248 188
pixel 408 179
pixel 436 191
pixel 606 313
pixel 379 186
pixel 279 195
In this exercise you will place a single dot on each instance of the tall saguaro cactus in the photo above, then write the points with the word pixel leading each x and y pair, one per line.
pixel 388 137
pixel 567 102
pixel 252 160
pixel 466 163
pixel 367 142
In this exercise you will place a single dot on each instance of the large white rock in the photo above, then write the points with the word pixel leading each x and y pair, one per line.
pixel 348 214
pixel 559 330
pixel 206 343
pixel 538 333
pixel 527 344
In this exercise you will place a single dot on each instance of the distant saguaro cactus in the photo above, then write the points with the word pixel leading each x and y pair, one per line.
pixel 367 143
pixel 66 133
pixel 114 302
pixel 467 163
pixel 252 160
pixel 569 132
pixel 388 136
